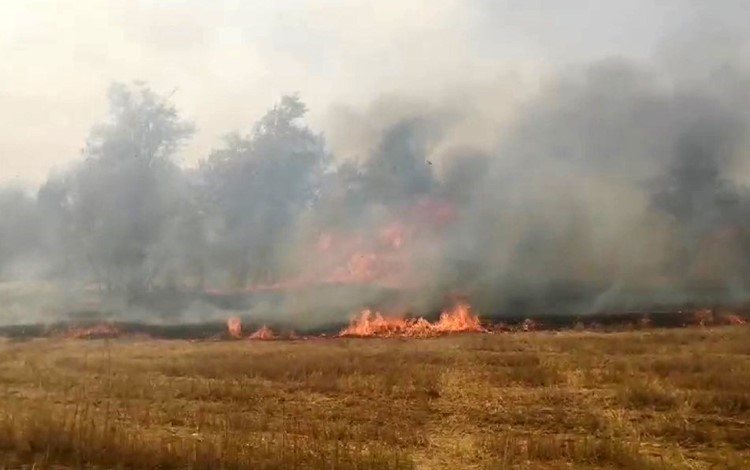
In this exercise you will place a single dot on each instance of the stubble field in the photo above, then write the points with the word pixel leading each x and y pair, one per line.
pixel 649 399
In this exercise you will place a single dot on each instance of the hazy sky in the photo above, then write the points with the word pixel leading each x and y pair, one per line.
pixel 228 61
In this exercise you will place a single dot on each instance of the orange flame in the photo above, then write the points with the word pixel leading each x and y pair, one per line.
pixel 456 320
pixel 733 319
pixel 374 324
pixel 263 333
pixel 234 326
pixel 703 317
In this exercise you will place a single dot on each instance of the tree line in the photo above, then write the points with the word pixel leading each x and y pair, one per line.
pixel 130 217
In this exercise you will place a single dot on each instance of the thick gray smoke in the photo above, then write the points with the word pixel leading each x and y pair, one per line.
pixel 613 190
pixel 618 185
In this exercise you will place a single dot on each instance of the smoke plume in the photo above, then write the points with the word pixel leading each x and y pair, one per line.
pixel 617 185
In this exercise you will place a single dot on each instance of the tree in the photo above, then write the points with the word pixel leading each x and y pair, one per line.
pixel 259 183
pixel 125 192
pixel 59 242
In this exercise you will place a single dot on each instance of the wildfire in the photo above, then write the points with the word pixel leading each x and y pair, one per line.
pixel 234 326
pixel 393 236
pixel 456 320
pixel 368 324
pixel 703 317
pixel 103 330
pixel 460 318
pixel 263 333
pixel 733 319
pixel 380 257
pixel 374 324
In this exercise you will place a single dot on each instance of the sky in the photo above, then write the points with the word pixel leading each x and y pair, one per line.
pixel 229 61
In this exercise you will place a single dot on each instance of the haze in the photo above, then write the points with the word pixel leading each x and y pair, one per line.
pixel 229 61
pixel 305 161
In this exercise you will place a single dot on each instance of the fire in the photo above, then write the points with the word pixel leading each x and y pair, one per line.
pixel 103 330
pixel 234 326
pixel 393 236
pixel 460 318
pixel 375 324
pixel 733 319
pixel 456 320
pixel 360 268
pixel 703 317
pixel 380 256
pixel 263 333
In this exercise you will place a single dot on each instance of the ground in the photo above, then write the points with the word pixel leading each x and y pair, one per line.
pixel 641 399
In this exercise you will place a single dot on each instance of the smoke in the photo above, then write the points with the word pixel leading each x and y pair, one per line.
pixel 619 184
pixel 616 187
pixel 611 191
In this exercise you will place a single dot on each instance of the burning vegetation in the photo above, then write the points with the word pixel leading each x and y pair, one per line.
pixel 372 324
pixel 485 234
pixel 234 327
pixel 607 200
pixel 103 330
pixel 459 319
pixel 234 330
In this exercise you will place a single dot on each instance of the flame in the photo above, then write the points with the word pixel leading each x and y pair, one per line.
pixel 373 324
pixel 733 319
pixel 361 267
pixel 263 333
pixel 703 317
pixel 460 318
pixel 379 257
pixel 393 236
pixel 103 330
pixel 234 326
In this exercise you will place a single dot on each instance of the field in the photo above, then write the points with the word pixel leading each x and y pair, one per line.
pixel 648 399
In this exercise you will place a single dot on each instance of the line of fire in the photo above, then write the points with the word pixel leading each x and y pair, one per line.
pixel 383 268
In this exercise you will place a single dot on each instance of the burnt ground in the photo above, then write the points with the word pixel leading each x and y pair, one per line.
pixel 92 324
pixel 558 307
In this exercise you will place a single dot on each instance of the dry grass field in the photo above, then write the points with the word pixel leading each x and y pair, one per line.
pixel 650 399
